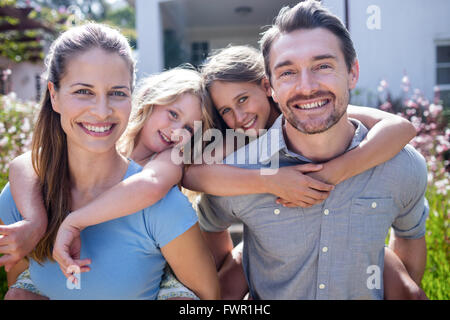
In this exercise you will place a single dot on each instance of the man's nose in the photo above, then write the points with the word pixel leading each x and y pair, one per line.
pixel 307 83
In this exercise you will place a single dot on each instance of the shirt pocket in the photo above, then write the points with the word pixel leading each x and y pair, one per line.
pixel 370 220
pixel 278 231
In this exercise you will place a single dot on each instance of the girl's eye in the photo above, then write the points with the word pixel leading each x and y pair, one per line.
pixel 173 114
pixel 242 100
pixel 189 128
pixel 225 110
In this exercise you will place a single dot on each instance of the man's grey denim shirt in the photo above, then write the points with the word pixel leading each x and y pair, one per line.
pixel 333 250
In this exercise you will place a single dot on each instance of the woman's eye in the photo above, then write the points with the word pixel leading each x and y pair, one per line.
pixel 226 110
pixel 83 91
pixel 119 94
pixel 191 131
pixel 173 114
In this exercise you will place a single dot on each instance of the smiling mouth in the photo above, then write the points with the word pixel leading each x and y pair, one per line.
pixel 312 105
pixel 165 138
pixel 98 129
pixel 250 123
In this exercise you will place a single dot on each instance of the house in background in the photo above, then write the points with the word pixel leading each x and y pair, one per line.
pixel 392 38
pixel 21 72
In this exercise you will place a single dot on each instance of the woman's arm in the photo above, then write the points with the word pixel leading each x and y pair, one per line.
pixel 144 188
pixel 192 263
pixel 23 235
pixel 388 135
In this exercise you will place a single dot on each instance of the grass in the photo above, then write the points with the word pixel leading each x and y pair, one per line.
pixel 436 281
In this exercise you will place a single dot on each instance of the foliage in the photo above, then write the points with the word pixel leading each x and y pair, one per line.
pixel 28 45
pixel 433 142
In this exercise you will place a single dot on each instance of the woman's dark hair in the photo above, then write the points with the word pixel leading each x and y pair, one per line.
pixel 49 144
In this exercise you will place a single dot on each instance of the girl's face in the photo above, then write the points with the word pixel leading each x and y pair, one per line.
pixel 243 105
pixel 171 124
pixel 94 100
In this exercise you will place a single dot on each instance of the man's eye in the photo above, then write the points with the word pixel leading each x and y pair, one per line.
pixel 324 66
pixel 286 73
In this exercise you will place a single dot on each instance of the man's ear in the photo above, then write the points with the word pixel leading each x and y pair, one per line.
pixel 265 84
pixel 353 75
pixel 274 95
pixel 53 93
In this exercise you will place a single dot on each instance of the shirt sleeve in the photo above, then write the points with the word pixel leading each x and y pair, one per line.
pixel 9 213
pixel 410 223
pixel 215 214
pixel 172 216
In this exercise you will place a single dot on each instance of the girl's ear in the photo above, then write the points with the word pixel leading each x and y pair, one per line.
pixel 53 93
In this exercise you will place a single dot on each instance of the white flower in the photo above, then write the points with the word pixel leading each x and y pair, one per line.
pixel 4 141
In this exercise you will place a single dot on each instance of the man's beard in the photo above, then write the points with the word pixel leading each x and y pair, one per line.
pixel 308 126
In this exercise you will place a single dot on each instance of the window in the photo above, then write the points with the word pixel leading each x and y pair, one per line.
pixel 443 71
pixel 199 52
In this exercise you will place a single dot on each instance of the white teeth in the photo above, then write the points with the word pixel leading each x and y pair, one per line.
pixel 97 129
pixel 165 138
pixel 249 124
pixel 312 105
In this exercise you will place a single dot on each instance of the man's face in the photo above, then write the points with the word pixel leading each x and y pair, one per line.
pixel 310 80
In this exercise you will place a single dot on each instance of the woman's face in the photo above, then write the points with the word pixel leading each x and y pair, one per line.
pixel 168 125
pixel 94 100
pixel 242 105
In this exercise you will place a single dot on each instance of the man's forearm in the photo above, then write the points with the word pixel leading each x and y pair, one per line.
pixel 413 254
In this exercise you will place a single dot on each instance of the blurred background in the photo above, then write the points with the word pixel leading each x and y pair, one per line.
pixel 403 48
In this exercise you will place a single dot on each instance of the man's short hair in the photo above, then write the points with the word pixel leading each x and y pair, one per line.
pixel 308 14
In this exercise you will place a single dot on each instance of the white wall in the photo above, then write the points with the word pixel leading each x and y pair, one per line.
pixel 405 43
pixel 220 37
pixel 150 37
pixel 23 77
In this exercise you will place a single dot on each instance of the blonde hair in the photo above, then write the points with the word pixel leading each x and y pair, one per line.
pixel 163 89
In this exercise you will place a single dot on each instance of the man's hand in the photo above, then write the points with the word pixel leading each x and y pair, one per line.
pixel 17 240
pixel 296 189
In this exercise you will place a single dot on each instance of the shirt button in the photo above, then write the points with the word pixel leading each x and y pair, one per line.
pixel 321 286
pixel 326 212
pixel 374 205
pixel 276 211
pixel 325 249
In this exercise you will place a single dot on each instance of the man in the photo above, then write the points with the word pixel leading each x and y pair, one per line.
pixel 334 250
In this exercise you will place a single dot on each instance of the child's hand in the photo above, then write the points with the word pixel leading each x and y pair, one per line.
pixel 67 249
pixel 17 240
pixel 295 189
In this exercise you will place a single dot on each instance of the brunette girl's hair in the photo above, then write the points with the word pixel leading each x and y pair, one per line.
pixel 234 64
pixel 49 144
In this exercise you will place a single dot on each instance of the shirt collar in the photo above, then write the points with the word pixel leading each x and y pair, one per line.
pixel 273 142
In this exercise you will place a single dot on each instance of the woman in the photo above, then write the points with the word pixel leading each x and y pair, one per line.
pixel 84 112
